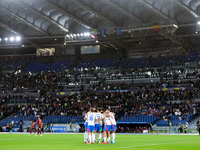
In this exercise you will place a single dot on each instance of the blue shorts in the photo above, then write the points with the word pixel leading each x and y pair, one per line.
pixel 98 128
pixel 107 128
pixel 91 128
pixel 86 126
pixel 113 127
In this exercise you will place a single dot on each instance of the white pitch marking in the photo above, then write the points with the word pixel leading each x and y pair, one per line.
pixel 155 144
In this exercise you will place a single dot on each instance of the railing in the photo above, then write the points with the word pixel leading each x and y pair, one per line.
pixel 173 130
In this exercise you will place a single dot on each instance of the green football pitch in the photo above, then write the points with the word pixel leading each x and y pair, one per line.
pixel 75 142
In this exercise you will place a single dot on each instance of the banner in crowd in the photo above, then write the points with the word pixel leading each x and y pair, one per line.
pixel 68 93
pixel 125 90
pixel 176 88
pixel 58 128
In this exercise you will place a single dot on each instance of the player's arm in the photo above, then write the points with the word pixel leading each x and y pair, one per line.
pixel 113 113
pixel 99 122
pixel 86 116
pixel 101 118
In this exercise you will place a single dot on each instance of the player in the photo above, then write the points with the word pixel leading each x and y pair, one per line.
pixel 39 124
pixel 106 127
pixel 91 125
pixel 33 127
pixel 113 126
pixel 86 127
pixel 98 126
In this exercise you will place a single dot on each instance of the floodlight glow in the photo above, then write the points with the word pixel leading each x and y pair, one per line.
pixel 18 38
pixel 87 34
pixel 6 39
pixel 71 35
pixel 67 35
pixel 198 22
pixel 12 39
pixel 75 35
pixel 78 34
pixel 0 39
pixel 81 34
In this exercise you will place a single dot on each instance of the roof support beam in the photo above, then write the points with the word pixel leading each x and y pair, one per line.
pixel 99 15
pixel 122 10
pixel 39 13
pixel 69 15
pixel 23 20
pixel 189 10
pixel 13 30
pixel 155 10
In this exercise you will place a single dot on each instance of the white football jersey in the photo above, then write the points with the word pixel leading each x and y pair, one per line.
pixel 86 117
pixel 107 121
pixel 98 116
pixel 91 119
pixel 112 119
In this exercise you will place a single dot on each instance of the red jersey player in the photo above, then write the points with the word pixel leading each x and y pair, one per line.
pixel 32 127
pixel 39 124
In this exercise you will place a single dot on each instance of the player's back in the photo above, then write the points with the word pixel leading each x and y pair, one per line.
pixel 107 120
pixel 98 116
pixel 91 119
pixel 112 118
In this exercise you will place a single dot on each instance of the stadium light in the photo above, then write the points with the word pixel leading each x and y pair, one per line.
pixel 81 34
pixel 6 39
pixel 74 35
pixel 67 35
pixel 18 38
pixel 78 34
pixel 198 22
pixel 0 39
pixel 97 41
pixel 87 34
pixel 12 39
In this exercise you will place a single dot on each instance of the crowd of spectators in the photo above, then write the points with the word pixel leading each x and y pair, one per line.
pixel 122 104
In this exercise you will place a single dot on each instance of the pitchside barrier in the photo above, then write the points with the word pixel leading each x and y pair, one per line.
pixel 173 130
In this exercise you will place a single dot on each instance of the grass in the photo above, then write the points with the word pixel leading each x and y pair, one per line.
pixel 75 142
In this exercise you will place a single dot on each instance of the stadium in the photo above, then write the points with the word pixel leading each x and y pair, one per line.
pixel 99 74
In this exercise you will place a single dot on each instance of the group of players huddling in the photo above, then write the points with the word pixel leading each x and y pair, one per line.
pixel 96 122
pixel 39 125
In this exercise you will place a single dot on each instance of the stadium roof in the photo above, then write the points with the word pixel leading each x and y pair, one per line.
pixel 51 20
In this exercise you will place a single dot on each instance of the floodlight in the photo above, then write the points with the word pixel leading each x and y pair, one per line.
pixel 81 34
pixel 78 34
pixel 198 22
pixel 6 39
pixel 18 38
pixel 12 39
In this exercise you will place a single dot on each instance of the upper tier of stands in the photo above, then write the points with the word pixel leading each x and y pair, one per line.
pixel 57 66
pixel 135 63
pixel 36 66
pixel 105 63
